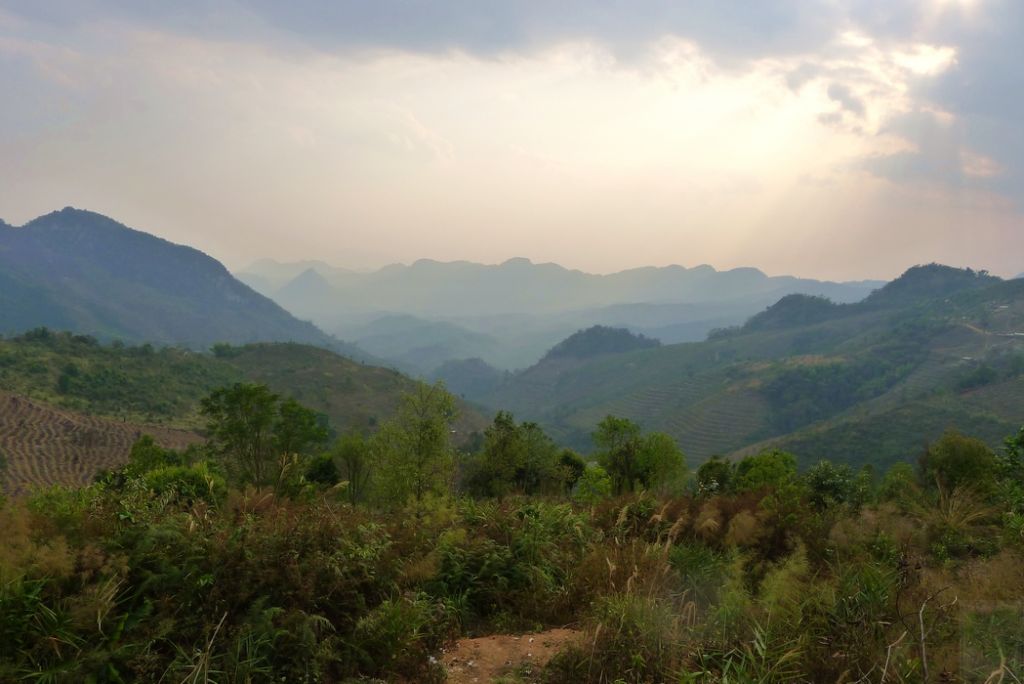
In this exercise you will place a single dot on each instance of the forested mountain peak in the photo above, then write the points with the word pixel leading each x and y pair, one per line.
pixel 930 281
pixel 598 340
pixel 792 310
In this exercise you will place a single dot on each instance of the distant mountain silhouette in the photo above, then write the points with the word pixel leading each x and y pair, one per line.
pixel 462 288
pixel 81 271
pixel 510 314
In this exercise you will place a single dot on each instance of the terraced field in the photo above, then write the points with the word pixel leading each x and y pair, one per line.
pixel 704 417
pixel 43 445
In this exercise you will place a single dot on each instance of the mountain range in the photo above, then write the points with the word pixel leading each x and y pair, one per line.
pixel 866 382
pixel 421 315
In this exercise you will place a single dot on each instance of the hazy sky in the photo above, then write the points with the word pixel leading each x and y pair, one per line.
pixel 830 138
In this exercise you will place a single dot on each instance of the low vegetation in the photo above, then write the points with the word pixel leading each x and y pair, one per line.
pixel 270 554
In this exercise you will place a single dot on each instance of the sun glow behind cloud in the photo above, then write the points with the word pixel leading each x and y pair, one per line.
pixel 570 152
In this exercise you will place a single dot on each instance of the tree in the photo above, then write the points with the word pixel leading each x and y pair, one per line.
pixel 297 428
pixel 632 460
pixel 515 458
pixel 715 475
pixel 573 466
pixel 772 468
pixel 618 442
pixel 352 453
pixel 413 449
pixel 661 462
pixel 251 428
pixel 1011 460
pixel 957 461
pixel 829 484
pixel 593 485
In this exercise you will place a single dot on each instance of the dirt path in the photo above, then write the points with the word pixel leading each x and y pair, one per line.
pixel 485 659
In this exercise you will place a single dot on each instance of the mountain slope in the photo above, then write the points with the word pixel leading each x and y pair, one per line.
pixel 70 405
pixel 164 386
pixel 80 270
pixel 42 445
pixel 806 374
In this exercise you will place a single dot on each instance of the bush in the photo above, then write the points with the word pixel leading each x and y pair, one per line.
pixel 187 484
pixel 630 638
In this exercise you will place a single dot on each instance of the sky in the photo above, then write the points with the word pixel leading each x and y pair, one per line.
pixel 841 139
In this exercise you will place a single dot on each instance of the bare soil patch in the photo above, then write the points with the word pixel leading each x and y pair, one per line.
pixel 486 659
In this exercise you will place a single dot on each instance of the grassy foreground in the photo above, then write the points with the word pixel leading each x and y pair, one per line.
pixel 753 573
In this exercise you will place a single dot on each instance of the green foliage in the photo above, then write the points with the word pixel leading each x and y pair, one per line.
pixel 512 560
pixel 899 483
pixel 592 486
pixel 958 461
pixel 322 470
pixel 161 572
pixel 807 393
pixel 633 460
pixel 715 475
pixel 252 429
pixel 517 459
pixel 980 376
pixel 187 483
pixel 353 455
pixel 771 468
pixel 572 464
pixel 636 639
pixel 830 484
pixel 414 450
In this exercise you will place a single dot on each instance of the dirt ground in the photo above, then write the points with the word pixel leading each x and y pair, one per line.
pixel 485 659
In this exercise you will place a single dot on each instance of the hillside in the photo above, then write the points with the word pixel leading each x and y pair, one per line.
pixel 41 445
pixel 81 271
pixel 73 380
pixel 809 376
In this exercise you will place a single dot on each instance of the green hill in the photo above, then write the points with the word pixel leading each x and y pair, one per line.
pixel 78 270
pixel 937 348
pixel 164 386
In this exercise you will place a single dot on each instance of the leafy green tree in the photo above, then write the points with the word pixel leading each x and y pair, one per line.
pixel 633 460
pixel 618 443
pixel 413 450
pixel 662 463
pixel 252 428
pixel 772 468
pixel 323 470
pixel 573 466
pixel 515 458
pixel 1011 460
pixel 899 483
pixel 958 461
pixel 715 475
pixel 594 484
pixel 147 455
pixel 353 455
pixel 297 429
pixel 829 484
